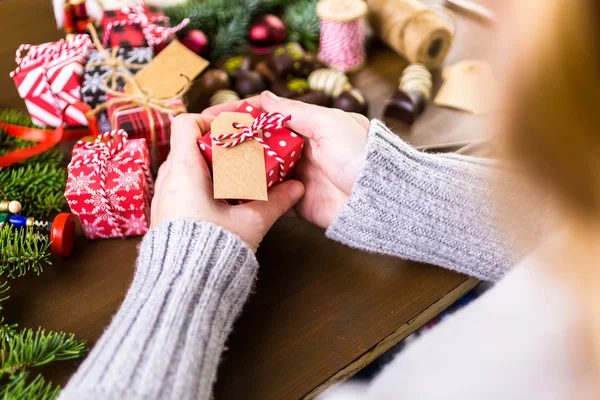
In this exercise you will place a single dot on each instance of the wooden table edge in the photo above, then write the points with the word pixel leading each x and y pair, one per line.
pixel 393 338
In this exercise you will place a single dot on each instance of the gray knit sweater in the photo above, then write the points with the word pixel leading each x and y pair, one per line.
pixel 192 278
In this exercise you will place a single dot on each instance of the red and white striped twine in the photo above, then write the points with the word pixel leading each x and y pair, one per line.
pixel 342 44
pixel 108 147
pixel 263 123
pixel 155 34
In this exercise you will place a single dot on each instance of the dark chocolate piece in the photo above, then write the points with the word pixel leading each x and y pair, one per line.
pixel 233 64
pixel 316 97
pixel 352 101
pixel 285 59
pixel 213 80
pixel 290 88
pixel 405 107
pixel 248 83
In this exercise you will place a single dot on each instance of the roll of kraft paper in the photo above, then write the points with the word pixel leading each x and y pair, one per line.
pixel 421 34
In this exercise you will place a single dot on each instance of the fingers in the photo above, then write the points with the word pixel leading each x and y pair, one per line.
pixel 282 197
pixel 363 121
pixel 186 130
pixel 304 116
pixel 218 109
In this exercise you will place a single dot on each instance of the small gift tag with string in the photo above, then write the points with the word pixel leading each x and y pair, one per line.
pixel 239 168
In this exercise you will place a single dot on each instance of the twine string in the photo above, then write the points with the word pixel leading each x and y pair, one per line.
pixel 264 122
pixel 428 10
pixel 342 44
pixel 110 59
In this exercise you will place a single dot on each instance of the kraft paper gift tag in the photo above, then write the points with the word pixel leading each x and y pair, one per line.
pixel 169 71
pixel 239 171
pixel 468 85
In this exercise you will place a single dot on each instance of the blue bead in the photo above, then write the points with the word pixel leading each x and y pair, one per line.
pixel 18 220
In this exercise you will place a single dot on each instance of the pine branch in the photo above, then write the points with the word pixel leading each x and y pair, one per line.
pixel 303 23
pixel 22 251
pixel 29 348
pixel 17 387
pixel 39 188
pixel 6 330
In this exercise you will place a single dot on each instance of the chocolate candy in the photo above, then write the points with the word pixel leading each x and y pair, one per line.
pixel 285 59
pixel 352 101
pixel 233 64
pixel 213 80
pixel 248 83
pixel 405 107
pixel 223 96
pixel 317 97
pixel 329 80
pixel 290 88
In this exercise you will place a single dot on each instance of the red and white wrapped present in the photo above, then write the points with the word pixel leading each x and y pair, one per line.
pixel 282 147
pixel 49 78
pixel 110 186
pixel 138 26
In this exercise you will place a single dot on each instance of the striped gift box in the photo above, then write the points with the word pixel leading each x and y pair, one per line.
pixel 49 78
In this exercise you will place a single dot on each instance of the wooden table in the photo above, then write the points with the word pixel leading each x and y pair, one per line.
pixel 320 312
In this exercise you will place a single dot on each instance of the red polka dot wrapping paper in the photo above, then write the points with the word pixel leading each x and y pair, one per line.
pixel 287 144
pixel 126 188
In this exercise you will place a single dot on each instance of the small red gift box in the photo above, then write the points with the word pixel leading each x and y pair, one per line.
pixel 146 122
pixel 110 187
pixel 49 79
pixel 285 143
pixel 137 26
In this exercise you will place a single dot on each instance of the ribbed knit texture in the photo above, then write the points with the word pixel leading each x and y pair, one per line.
pixel 434 208
pixel 191 281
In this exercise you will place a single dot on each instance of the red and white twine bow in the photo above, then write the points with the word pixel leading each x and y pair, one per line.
pixel 154 33
pixel 263 123
pixel 108 147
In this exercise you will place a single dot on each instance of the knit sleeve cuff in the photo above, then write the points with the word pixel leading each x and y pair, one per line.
pixel 435 209
pixel 191 281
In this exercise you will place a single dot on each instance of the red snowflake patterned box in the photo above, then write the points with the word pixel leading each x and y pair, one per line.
pixel 110 187
pixel 285 148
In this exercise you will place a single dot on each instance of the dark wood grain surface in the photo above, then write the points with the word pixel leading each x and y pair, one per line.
pixel 320 310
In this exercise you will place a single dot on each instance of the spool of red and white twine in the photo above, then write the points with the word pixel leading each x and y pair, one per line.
pixel 342 42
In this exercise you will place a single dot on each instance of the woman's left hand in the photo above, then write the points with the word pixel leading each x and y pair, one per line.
pixel 184 189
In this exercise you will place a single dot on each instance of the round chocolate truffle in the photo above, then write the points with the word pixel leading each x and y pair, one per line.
pixel 290 88
pixel 405 107
pixel 285 59
pixel 352 101
pixel 213 80
pixel 233 64
pixel 317 97
pixel 248 83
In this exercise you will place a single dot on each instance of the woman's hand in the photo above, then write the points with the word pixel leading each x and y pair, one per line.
pixel 184 189
pixel 333 154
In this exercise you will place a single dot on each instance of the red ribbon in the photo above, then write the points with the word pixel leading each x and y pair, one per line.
pixel 45 138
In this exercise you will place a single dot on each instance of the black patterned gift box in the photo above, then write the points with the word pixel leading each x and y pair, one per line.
pixel 98 72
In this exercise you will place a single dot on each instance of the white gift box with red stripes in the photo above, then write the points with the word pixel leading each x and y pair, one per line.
pixel 49 79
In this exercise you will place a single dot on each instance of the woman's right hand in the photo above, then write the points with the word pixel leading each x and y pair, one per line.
pixel 333 154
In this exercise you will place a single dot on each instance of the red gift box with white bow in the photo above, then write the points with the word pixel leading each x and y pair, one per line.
pixel 286 145
pixel 49 79
pixel 110 186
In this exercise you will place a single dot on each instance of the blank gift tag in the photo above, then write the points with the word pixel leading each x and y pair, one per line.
pixel 162 77
pixel 470 86
pixel 239 171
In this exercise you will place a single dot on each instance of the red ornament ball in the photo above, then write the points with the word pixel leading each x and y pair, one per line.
pixel 266 32
pixel 196 41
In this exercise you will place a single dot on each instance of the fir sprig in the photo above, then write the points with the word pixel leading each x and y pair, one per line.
pixel 39 188
pixel 16 386
pixel 303 23
pixel 22 251
pixel 226 23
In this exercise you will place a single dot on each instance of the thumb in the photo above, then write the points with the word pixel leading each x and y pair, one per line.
pixel 282 197
pixel 303 115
